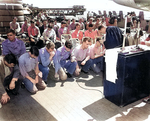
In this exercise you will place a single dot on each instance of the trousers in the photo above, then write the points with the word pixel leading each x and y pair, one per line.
pixel 33 88
pixel 45 72
pixel 86 66
pixel 98 64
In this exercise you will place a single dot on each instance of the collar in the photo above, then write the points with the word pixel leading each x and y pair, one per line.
pixel 81 47
pixel 13 41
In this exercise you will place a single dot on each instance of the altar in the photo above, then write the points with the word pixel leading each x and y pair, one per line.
pixel 128 79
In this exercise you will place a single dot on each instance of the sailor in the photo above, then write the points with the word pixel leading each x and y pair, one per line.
pixel 10 77
pixel 73 25
pixel 45 57
pixel 24 28
pixel 34 35
pixel 28 64
pixel 97 52
pixel 13 45
pixel 113 38
pixel 14 25
pixel 43 27
pixel 90 33
pixel 82 56
pixel 63 59
pixel 63 29
pixel 77 33
pixel 49 34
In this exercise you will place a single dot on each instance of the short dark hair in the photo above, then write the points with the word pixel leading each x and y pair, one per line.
pixel 112 19
pixel 32 21
pixel 15 17
pixel 50 26
pixel 68 44
pixel 86 39
pixel 100 27
pixel 63 22
pixel 11 31
pixel 78 24
pixel 44 20
pixel 98 39
pixel 34 50
pixel 10 58
pixel 90 25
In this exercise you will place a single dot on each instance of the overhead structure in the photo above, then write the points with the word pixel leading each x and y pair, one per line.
pixel 75 10
pixel 138 4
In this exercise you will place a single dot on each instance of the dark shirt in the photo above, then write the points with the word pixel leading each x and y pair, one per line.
pixel 114 37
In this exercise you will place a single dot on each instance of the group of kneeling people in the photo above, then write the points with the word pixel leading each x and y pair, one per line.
pixel 21 67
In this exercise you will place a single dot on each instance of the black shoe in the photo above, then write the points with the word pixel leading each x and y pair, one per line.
pixel 22 85
pixel 46 83
pixel 69 75
pixel 84 71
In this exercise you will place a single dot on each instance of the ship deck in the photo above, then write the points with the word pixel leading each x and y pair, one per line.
pixel 77 99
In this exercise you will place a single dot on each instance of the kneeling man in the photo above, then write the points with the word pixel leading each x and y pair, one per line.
pixel 97 52
pixel 45 57
pixel 28 64
pixel 10 77
pixel 62 60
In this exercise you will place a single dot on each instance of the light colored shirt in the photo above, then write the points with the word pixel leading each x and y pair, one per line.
pixel 44 57
pixel 77 34
pixel 80 54
pixel 82 26
pixel 15 26
pixel 33 31
pixel 90 34
pixel 72 26
pixel 49 35
pixel 16 47
pixel 24 28
pixel 60 55
pixel 5 71
pixel 96 25
pixel 27 64
pixel 94 50
pixel 62 31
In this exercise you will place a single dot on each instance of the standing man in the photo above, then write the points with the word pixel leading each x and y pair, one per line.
pixel 82 55
pixel 28 64
pixel 10 78
pixel 63 59
pixel 13 45
pixel 45 57
pixel 114 37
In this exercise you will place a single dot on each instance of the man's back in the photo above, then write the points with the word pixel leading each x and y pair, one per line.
pixel 114 37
